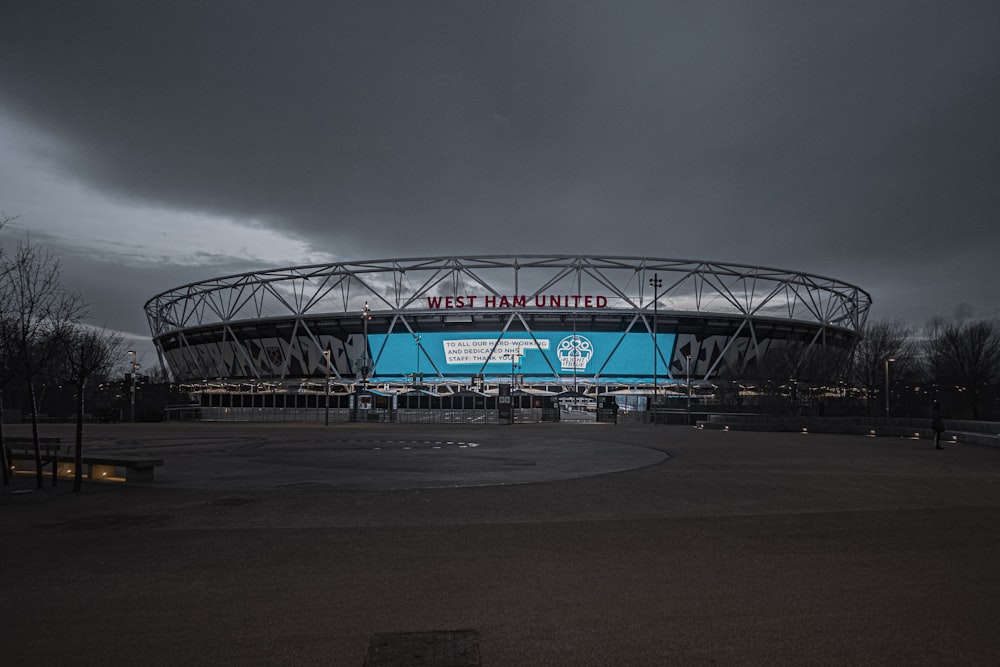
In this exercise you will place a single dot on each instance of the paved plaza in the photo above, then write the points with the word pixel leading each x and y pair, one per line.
pixel 531 544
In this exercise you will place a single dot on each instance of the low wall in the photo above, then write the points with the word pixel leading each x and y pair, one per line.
pixel 965 431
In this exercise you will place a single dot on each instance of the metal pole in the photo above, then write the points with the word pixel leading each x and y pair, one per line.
pixel 365 316
pixel 887 386
pixel 513 361
pixel 656 283
pixel 416 339
pixel 576 359
pixel 689 390
pixel 326 356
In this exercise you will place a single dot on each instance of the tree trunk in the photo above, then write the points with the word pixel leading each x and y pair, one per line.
pixel 3 448
pixel 34 435
pixel 78 454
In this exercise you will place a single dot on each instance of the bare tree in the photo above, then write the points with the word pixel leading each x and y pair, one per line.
pixel 7 369
pixel 85 352
pixel 35 308
pixel 882 343
pixel 965 355
pixel 6 352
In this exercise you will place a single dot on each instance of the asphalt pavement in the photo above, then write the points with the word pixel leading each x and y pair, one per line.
pixel 530 544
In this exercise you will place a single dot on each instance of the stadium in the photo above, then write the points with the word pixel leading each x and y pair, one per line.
pixel 552 325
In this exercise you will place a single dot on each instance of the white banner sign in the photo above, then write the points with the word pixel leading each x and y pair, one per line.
pixel 478 350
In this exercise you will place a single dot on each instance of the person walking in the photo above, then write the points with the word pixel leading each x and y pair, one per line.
pixel 937 424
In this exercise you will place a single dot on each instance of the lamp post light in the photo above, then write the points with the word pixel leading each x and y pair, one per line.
pixel 416 341
pixel 688 381
pixel 326 357
pixel 656 284
pixel 514 357
pixel 514 361
pixel 134 364
pixel 366 314
pixel 576 360
pixel 887 361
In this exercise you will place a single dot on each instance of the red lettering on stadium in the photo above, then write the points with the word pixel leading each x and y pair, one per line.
pixel 517 301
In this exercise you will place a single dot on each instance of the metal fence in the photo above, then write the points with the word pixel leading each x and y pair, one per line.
pixel 424 415
pixel 373 415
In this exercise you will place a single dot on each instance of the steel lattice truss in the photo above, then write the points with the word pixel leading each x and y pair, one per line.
pixel 404 290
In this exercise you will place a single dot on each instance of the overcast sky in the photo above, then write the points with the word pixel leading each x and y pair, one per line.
pixel 152 144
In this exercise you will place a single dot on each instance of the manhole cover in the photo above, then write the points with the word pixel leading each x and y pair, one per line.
pixel 452 648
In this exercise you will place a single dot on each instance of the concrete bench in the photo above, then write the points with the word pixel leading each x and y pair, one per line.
pixel 97 468
pixel 22 441
pixel 106 468
pixel 48 449
pixel 986 433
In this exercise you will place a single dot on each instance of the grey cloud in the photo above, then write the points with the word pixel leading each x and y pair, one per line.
pixel 852 139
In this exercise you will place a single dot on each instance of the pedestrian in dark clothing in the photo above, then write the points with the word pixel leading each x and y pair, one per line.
pixel 937 424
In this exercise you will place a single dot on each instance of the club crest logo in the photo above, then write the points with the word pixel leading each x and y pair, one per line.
pixel 574 352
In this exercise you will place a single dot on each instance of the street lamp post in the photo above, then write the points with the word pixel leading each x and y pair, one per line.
pixel 416 376
pixel 576 360
pixel 326 357
pixel 688 381
pixel 134 364
pixel 514 357
pixel 366 314
pixel 887 361
pixel 655 283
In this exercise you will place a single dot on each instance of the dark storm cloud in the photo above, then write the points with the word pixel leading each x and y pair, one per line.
pixel 857 140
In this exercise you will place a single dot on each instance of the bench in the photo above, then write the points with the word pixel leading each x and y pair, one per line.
pixel 956 431
pixel 48 448
pixel 11 440
pixel 107 468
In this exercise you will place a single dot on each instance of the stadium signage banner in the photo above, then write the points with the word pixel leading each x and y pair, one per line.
pixel 517 301
pixel 539 353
